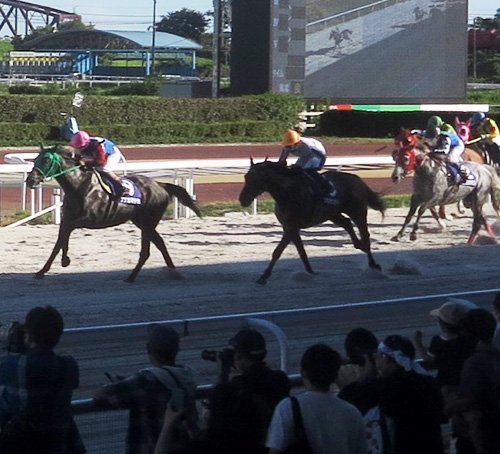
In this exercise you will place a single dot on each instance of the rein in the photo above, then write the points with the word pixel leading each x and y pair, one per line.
pixel 55 169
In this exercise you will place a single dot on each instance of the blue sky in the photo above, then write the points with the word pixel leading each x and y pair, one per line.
pixel 137 14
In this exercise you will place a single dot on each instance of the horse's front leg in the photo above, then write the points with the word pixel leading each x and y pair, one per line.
pixel 439 216
pixel 297 241
pixel 61 243
pixel 285 240
pixel 413 207
pixel 413 234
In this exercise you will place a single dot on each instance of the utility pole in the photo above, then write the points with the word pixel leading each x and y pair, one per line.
pixel 153 40
pixel 217 45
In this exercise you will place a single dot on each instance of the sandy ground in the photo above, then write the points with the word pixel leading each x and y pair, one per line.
pixel 220 260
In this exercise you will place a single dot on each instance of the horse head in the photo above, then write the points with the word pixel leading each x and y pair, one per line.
pixel 463 129
pixel 404 156
pixel 257 180
pixel 51 162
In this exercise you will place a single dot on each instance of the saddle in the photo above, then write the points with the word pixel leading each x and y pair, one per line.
pixel 322 188
pixel 131 194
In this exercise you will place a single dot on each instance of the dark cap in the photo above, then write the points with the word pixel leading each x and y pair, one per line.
pixel 249 342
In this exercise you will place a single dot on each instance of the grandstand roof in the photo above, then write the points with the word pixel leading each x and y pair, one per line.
pixel 109 40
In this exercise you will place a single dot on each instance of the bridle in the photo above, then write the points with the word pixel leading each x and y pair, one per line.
pixel 55 169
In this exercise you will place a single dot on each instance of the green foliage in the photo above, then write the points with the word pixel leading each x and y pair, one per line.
pixel 185 22
pixel 27 119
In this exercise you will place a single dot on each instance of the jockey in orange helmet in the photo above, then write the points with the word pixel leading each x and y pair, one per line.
pixel 311 152
pixel 312 157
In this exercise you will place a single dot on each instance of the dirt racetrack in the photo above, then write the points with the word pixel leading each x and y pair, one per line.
pixel 220 260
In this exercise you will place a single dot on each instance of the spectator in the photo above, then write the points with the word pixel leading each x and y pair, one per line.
pixel 330 424
pixel 147 392
pixel 35 404
pixel 479 392
pixel 233 426
pixel 407 403
pixel 496 313
pixel 450 348
pixel 360 346
pixel 254 377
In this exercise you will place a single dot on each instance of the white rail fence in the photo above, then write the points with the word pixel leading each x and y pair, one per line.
pixel 182 172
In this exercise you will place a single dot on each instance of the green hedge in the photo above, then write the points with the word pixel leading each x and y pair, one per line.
pixel 31 119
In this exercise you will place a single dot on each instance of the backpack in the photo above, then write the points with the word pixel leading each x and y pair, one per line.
pixel 69 127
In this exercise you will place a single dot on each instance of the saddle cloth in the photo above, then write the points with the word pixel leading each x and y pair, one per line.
pixel 470 173
pixel 131 195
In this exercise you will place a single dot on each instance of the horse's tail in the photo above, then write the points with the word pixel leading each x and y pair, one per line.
pixel 182 195
pixel 375 201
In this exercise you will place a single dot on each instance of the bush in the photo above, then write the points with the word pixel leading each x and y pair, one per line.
pixel 31 119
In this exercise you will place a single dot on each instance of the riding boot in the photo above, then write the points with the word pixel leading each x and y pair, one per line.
pixel 324 188
pixel 118 188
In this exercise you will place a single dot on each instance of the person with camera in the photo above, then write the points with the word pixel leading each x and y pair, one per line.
pixel 147 393
pixel 251 375
pixel 35 404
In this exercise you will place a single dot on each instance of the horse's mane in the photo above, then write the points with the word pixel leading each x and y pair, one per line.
pixel 63 150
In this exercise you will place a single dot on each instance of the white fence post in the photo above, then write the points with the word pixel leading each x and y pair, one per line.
pixel 56 201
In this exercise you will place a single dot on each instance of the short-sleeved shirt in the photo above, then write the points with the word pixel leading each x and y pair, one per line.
pixel 480 381
pixel 449 357
pixel 41 383
pixel 331 425
pixel 267 386
pixel 146 398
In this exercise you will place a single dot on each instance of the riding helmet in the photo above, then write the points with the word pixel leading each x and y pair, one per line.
pixel 80 139
pixel 291 137
pixel 477 117
pixel 435 122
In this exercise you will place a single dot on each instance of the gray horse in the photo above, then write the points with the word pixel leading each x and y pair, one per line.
pixel 431 188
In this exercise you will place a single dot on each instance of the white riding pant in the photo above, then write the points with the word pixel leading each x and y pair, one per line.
pixel 455 154
pixel 112 160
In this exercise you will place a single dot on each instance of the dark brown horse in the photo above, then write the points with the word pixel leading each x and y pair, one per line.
pixel 297 206
pixel 87 205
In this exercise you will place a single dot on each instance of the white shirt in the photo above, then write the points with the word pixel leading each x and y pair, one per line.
pixel 332 425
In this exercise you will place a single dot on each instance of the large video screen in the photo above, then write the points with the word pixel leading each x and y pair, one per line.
pixel 386 50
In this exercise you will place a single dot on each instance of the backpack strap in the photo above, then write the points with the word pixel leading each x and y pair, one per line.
pixel 298 423
pixel 169 380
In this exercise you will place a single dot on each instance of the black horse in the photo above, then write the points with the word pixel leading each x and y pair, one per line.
pixel 298 207
pixel 87 205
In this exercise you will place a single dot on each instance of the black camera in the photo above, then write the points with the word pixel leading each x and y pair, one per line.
pixel 15 338
pixel 226 356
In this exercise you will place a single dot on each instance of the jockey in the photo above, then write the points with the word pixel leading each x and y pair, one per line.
pixel 486 129
pixel 100 153
pixel 435 125
pixel 450 145
pixel 312 157
pixel 311 152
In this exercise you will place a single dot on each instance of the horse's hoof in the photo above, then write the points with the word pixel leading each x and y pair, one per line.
pixel 261 281
pixel 65 262
pixel 39 275
pixel 413 237
pixel 376 267
pixel 130 280
pixel 395 238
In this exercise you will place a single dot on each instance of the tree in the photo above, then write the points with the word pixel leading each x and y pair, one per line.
pixel 185 22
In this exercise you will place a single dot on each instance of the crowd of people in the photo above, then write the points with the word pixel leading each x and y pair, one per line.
pixel 392 395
